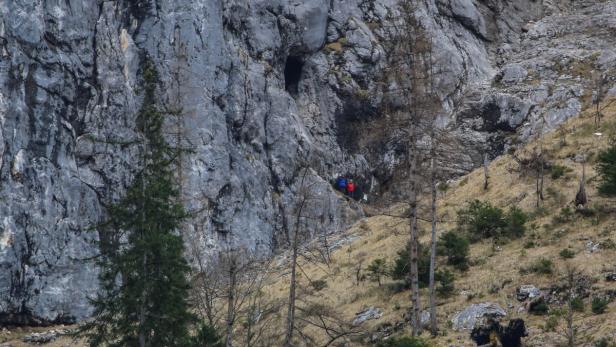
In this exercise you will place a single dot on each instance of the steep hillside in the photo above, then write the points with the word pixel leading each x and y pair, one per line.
pixel 497 269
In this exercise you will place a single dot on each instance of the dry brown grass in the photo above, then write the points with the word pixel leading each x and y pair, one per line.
pixel 383 236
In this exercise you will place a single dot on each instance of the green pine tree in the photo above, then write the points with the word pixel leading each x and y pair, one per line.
pixel 606 166
pixel 144 286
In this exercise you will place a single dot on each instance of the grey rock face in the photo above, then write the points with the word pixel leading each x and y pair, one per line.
pixel 367 314
pixel 476 315
pixel 527 291
pixel 265 87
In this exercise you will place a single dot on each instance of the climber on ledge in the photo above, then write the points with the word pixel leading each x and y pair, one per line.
pixel 341 184
pixel 351 188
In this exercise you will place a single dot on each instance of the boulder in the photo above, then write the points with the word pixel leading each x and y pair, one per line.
pixel 527 292
pixel 424 318
pixel 476 315
pixel 367 314
pixel 46 336
pixel 593 247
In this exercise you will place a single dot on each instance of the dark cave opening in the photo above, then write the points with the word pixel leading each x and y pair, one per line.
pixel 292 74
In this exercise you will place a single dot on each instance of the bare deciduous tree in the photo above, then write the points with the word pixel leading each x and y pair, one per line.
pixel 309 245
pixel 573 334
pixel 303 199
pixel 412 68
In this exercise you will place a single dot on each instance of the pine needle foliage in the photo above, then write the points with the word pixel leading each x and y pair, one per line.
pixel 143 273
pixel 606 166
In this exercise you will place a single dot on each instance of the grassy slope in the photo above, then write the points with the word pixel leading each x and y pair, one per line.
pixel 382 236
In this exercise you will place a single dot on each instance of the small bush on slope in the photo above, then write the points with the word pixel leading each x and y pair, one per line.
pixel 599 305
pixel 481 220
pixel 443 279
pixel 401 268
pixel 606 167
pixel 377 270
pixel 455 248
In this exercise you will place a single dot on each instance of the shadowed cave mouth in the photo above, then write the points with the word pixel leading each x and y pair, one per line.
pixel 292 74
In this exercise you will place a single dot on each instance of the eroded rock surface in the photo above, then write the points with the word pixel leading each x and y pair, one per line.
pixel 477 314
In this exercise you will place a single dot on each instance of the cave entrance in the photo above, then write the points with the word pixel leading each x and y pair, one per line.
pixel 292 74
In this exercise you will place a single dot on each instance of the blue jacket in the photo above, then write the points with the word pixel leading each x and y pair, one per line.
pixel 341 182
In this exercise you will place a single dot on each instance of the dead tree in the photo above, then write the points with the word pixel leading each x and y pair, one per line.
pixel 433 323
pixel 207 287
pixel 581 199
pixel 227 289
pixel 259 311
pixel 435 107
pixel 411 66
pixel 303 198
pixel 599 83
pixel 309 245
pixel 410 56
pixel 540 165
pixel 486 173
pixel 570 332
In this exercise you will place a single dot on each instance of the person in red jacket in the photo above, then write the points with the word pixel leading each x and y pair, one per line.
pixel 351 188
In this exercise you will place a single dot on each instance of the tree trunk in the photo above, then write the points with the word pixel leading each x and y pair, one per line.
pixel 144 262
pixel 142 305
pixel 231 301
pixel 413 252
pixel 291 306
pixel 433 326
pixel 299 208
pixel 540 165
pixel 486 173
pixel 570 328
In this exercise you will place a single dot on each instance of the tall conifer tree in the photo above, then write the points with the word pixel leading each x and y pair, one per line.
pixel 144 286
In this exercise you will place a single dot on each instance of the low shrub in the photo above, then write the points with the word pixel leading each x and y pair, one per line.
pixel 480 220
pixel 539 308
pixel 566 215
pixel 443 187
pixel 606 168
pixel 377 270
pixel 551 323
pixel 445 280
pixel 401 269
pixel 567 253
pixel 607 244
pixel 319 285
pixel 586 212
pixel 577 304
pixel 599 305
pixel 605 342
pixel 207 336
pixel 456 248
pixel 541 266
pixel 558 171
pixel 516 223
